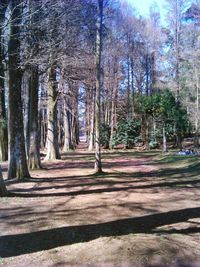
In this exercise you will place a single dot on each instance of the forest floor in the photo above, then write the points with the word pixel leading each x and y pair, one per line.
pixel 144 210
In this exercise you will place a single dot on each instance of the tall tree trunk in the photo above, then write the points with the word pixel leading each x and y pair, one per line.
pixel 3 190
pixel 17 166
pixel 98 164
pixel 147 73
pixel 43 128
pixel 164 140
pixel 34 146
pixel 196 137
pixel 92 121
pixel 87 114
pixel 113 110
pixel 132 89
pixel 177 65
pixel 128 90
pixel 3 117
pixel 52 133
pixel 67 130
pixel 153 73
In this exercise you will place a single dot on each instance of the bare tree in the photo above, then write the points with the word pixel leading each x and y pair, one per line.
pixel 17 166
pixel 99 25
pixel 3 117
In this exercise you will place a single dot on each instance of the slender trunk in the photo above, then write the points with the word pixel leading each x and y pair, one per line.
pixel 164 140
pixel 147 134
pixel 147 73
pixel 43 129
pixel 153 73
pixel 98 164
pixel 73 131
pixel 113 113
pixel 177 49
pixel 87 114
pixel 34 147
pixel 132 89
pixel 3 117
pixel 196 137
pixel 60 126
pixel 92 121
pixel 3 122
pixel 3 190
pixel 52 133
pixel 112 125
pixel 154 129
pixel 128 90
pixel 67 130
pixel 17 166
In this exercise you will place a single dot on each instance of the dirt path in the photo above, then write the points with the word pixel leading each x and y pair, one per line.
pixel 134 215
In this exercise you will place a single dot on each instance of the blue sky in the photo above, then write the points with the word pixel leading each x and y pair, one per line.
pixel 143 6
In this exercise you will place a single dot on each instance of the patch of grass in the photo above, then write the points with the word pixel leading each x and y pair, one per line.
pixel 178 160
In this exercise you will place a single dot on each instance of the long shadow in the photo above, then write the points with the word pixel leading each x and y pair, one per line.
pixel 98 183
pixel 109 190
pixel 111 154
pixel 186 231
pixel 14 245
pixel 162 178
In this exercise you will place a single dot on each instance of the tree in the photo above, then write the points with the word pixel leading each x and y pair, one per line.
pixel 99 25
pixel 3 117
pixel 162 107
pixel 33 144
pixel 52 133
pixel 176 13
pixel 3 190
pixel 17 166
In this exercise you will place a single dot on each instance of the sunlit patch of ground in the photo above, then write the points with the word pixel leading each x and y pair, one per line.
pixel 144 210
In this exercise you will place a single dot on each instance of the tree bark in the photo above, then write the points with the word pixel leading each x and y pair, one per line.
pixel 34 146
pixel 3 190
pixel 98 164
pixel 92 121
pixel 113 109
pixel 17 166
pixel 164 140
pixel 67 129
pixel 52 133
pixel 3 117
pixel 196 137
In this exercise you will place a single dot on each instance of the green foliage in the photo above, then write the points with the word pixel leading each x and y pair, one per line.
pixel 127 132
pixel 153 144
pixel 166 111
pixel 105 135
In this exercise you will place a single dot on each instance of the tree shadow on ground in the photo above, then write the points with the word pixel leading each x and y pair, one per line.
pixel 14 245
pixel 187 177
pixel 182 184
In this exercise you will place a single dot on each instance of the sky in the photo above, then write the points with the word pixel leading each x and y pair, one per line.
pixel 143 6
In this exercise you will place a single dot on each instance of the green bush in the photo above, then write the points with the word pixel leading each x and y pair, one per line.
pixel 105 135
pixel 127 132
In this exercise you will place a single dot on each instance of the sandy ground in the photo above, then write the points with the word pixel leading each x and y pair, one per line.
pixel 138 213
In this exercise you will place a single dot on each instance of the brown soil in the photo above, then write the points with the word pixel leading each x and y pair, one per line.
pixel 135 214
